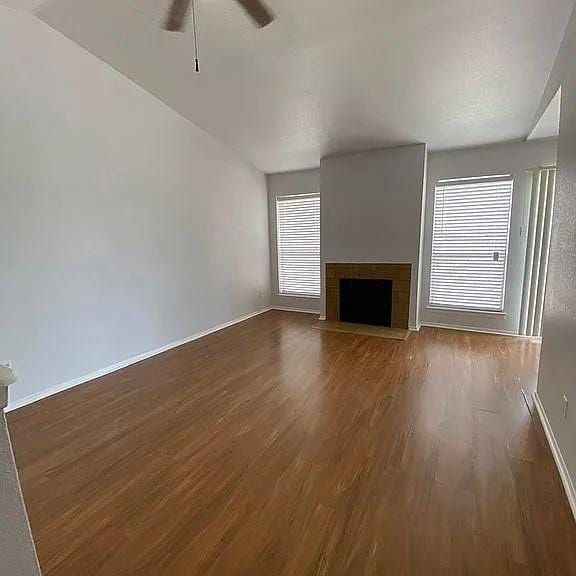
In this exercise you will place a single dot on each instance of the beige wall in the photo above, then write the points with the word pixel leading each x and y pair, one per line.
pixel 558 363
pixel 124 227
pixel 371 205
pixel 510 158
pixel 288 184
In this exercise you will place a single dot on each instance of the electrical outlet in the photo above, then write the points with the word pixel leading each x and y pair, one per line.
pixel 565 406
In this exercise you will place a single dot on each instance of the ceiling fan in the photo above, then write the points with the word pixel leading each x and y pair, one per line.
pixel 255 9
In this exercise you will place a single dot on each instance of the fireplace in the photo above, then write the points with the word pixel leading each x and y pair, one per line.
pixel 345 283
pixel 366 301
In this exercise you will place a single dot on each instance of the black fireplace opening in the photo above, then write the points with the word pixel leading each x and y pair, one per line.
pixel 366 301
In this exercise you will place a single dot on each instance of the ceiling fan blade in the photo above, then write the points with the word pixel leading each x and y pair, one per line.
pixel 258 11
pixel 177 15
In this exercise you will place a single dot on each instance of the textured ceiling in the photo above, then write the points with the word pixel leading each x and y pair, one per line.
pixel 548 125
pixel 333 76
pixel 28 5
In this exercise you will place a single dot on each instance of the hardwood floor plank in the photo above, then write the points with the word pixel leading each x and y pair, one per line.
pixel 273 448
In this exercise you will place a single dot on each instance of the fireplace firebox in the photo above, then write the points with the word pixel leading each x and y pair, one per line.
pixel 366 301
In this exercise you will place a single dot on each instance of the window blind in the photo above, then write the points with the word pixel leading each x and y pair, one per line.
pixel 470 243
pixel 537 251
pixel 298 241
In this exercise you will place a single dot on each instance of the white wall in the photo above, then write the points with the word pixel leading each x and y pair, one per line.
pixel 512 158
pixel 123 226
pixel 371 207
pixel 287 184
pixel 17 554
pixel 558 361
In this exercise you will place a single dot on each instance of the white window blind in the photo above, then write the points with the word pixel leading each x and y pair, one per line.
pixel 298 237
pixel 470 243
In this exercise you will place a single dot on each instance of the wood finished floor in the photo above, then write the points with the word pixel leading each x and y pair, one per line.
pixel 271 448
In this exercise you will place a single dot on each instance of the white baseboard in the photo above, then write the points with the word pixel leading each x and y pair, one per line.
pixel 302 310
pixel 20 402
pixel 558 458
pixel 533 338
pixel 470 329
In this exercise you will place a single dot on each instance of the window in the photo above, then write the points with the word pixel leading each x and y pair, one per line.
pixel 470 243
pixel 298 237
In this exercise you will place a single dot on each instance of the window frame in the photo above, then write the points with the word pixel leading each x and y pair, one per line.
pixel 278 198
pixel 458 307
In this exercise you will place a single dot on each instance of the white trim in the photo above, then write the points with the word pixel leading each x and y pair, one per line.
pixel 366 261
pixel 470 329
pixel 288 309
pixel 533 338
pixel 282 197
pixel 30 399
pixel 322 317
pixel 465 310
pixel 289 295
pixel 494 178
pixel 557 454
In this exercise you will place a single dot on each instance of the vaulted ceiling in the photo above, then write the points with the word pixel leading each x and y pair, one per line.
pixel 333 75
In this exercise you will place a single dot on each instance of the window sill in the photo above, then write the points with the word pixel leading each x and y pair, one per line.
pixel 308 296
pixel 467 310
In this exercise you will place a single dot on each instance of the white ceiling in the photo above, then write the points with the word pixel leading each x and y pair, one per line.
pixel 548 125
pixel 28 5
pixel 334 75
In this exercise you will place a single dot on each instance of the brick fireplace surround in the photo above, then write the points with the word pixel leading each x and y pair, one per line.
pixel 399 274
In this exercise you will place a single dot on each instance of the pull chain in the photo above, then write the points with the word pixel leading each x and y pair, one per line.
pixel 195 31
